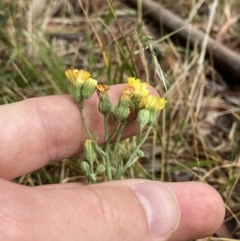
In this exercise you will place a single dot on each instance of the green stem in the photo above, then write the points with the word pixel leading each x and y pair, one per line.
pixel 119 135
pixel 106 116
pixel 110 138
pixel 91 168
pixel 133 155
pixel 107 148
pixel 102 153
pixel 139 136
pixel 114 131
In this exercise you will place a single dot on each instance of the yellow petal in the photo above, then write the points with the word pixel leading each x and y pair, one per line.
pixel 76 76
pixel 154 103
pixel 140 88
pixel 72 75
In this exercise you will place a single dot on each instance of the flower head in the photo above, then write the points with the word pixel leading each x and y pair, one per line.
pixel 122 110
pixel 128 91
pixel 76 76
pixel 102 89
pixel 127 94
pixel 140 88
pixel 83 86
pixel 153 103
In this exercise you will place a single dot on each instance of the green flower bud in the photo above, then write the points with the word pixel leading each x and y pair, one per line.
pixel 143 117
pixel 89 151
pixel 88 88
pixel 85 167
pixel 105 106
pixel 76 91
pixel 153 117
pixel 140 153
pixel 100 169
pixel 121 112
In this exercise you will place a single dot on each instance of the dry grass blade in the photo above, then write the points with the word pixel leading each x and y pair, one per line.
pixel 225 60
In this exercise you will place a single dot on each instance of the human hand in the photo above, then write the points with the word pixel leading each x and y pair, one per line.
pixel 37 131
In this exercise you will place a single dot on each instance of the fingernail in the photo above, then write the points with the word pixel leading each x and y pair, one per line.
pixel 160 205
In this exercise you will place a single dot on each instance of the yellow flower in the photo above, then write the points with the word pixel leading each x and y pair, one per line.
pixel 76 76
pixel 127 93
pixel 83 86
pixel 102 89
pixel 122 110
pixel 140 88
pixel 153 103
pixel 105 105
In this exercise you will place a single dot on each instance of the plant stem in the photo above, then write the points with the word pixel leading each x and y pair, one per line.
pixel 114 131
pixel 80 106
pixel 119 135
pixel 139 136
pixel 133 155
pixel 107 149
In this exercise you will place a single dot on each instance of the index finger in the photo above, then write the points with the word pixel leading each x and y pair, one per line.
pixel 40 130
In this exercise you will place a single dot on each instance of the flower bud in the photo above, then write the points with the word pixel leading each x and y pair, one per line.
pixel 143 117
pixel 153 117
pixel 88 88
pixel 85 167
pixel 89 151
pixel 121 112
pixel 140 153
pixel 76 91
pixel 105 105
pixel 100 169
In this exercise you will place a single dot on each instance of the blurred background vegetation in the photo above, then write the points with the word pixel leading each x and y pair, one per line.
pixel 197 135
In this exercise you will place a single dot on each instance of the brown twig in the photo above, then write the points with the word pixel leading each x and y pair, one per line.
pixel 226 62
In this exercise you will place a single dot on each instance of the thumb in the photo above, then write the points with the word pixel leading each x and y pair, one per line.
pixel 121 210
pixel 139 210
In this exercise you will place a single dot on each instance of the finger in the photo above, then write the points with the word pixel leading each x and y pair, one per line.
pixel 122 210
pixel 202 210
pixel 39 130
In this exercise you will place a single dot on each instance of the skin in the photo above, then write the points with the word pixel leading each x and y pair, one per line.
pixel 37 131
